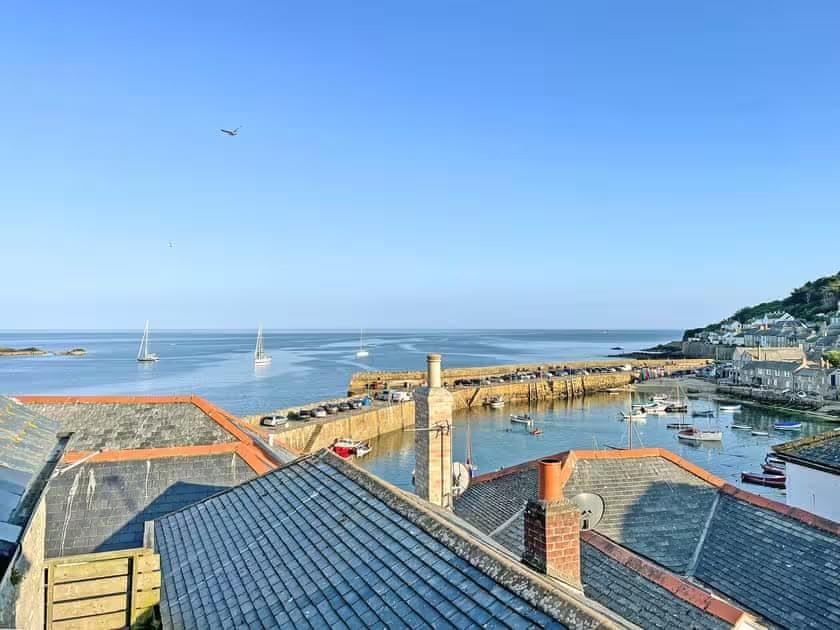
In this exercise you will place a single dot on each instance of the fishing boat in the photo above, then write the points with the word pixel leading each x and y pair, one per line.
pixel 260 357
pixel 740 427
pixel 678 425
pixel 704 413
pixel 787 425
pixel 362 352
pixel 346 448
pixel 143 354
pixel 759 433
pixel 693 434
pixel 521 419
pixel 730 407
pixel 773 481
pixel 496 402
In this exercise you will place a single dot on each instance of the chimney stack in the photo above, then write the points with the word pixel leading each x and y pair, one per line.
pixel 433 438
pixel 552 528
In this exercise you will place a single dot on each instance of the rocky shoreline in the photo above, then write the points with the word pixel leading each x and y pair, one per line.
pixel 38 352
pixel 670 350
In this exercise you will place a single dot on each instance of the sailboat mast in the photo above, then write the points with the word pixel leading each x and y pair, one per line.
pixel 141 351
pixel 630 426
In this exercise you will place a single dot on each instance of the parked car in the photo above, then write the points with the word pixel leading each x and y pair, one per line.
pixel 304 414
pixel 273 421
pixel 344 406
pixel 400 396
pixel 331 409
pixel 356 403
pixel 319 412
pixel 383 395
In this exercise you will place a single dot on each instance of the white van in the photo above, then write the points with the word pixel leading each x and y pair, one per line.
pixel 400 396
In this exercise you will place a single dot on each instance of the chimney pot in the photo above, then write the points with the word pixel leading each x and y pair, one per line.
pixel 550 488
pixel 433 370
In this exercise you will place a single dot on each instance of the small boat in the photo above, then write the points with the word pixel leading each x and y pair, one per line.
pixel 790 425
pixel 740 427
pixel 521 419
pixel 759 433
pixel 770 469
pixel 496 402
pixel 773 481
pixel 730 407
pixel 659 397
pixel 634 416
pixel 678 408
pixel 346 447
pixel 260 357
pixel 143 354
pixel 536 431
pixel 773 460
pixel 705 413
pixel 694 434
pixel 616 348
pixel 362 352
pixel 678 425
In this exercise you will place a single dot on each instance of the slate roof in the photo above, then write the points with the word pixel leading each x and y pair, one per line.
pixel 818 451
pixel 652 506
pixel 781 563
pixel 102 506
pixel 29 448
pixel 780 567
pixel 320 543
pixel 121 425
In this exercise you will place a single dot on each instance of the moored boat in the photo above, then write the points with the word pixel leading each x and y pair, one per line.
pixel 693 434
pixel 346 447
pixel 773 481
pixel 679 425
pixel 741 427
pixel 521 419
pixel 704 413
pixel 634 416
pixel 496 402
pixel 676 408
pixel 770 469
pixel 730 407
pixel 787 426
pixel 759 433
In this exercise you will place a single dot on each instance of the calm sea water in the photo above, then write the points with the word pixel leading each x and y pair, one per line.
pixel 592 423
pixel 306 366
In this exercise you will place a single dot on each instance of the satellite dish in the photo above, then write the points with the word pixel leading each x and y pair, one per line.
pixel 591 509
pixel 460 478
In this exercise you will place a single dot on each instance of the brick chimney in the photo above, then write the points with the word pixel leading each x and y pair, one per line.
pixel 433 438
pixel 552 528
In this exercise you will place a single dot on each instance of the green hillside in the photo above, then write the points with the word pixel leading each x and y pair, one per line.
pixel 805 302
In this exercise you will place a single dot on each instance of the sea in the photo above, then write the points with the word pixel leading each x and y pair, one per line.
pixel 309 366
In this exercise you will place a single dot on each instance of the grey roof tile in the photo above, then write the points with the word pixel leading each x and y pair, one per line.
pixel 355 558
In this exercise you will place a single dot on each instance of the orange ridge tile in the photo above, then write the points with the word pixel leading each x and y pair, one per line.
pixel 798 514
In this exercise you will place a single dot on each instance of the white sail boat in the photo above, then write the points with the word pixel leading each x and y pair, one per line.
pixel 362 352
pixel 143 354
pixel 260 357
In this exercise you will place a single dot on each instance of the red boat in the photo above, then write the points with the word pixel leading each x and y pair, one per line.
pixel 773 481
pixel 347 448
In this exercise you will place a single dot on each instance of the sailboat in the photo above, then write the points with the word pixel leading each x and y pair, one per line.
pixel 260 357
pixel 143 354
pixel 362 352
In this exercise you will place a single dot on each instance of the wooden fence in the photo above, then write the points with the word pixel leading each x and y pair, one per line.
pixel 113 589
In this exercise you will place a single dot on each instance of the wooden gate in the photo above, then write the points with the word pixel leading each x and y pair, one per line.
pixel 113 589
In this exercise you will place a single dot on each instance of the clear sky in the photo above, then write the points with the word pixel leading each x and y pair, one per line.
pixel 414 164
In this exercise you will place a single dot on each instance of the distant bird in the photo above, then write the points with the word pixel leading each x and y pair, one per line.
pixel 231 132
pixel 171 245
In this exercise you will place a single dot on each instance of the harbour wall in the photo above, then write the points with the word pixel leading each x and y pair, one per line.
pixel 703 350
pixel 383 418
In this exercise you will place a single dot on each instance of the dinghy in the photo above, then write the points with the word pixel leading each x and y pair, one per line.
pixel 787 426
pixel 760 433
pixel 693 434
pixel 742 427
pixel 521 419
pixel 772 481
pixel 730 407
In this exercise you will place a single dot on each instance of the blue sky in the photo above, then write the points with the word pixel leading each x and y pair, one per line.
pixel 452 164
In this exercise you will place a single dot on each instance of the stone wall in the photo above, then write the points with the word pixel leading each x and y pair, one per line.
pixel 22 604
pixel 361 381
pixel 703 350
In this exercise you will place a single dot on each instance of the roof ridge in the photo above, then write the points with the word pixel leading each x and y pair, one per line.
pixel 808 518
pixel 677 586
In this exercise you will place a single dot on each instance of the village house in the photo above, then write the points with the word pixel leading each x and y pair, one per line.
pixel 777 375
pixel 742 356
pixel 813 473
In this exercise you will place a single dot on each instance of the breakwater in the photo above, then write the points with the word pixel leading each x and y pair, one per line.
pixel 381 418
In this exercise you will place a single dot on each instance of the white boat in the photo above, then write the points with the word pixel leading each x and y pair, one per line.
pixel 656 409
pixel 143 354
pixel 496 402
pixel 345 447
pixel 362 352
pixel 698 435
pixel 260 357
pixel 760 433
pixel 730 407
pixel 742 427
pixel 521 419
pixel 659 397
pixel 634 416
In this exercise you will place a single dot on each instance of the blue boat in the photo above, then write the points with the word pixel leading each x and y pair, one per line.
pixel 787 426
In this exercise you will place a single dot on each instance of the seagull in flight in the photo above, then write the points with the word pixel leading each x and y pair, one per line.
pixel 171 245
pixel 231 132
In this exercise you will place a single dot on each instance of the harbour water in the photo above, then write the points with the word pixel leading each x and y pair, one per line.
pixel 305 366
pixel 593 423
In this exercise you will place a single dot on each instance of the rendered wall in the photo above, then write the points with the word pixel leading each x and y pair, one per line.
pixel 814 491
